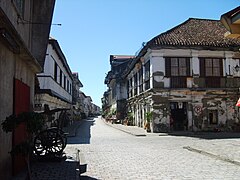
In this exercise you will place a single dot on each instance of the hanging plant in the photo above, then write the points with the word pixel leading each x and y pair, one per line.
pixel 34 122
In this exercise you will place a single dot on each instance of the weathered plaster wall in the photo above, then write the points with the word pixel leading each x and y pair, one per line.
pixel 6 100
pixel 11 66
pixel 11 12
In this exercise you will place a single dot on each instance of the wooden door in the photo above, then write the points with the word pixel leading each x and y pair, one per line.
pixel 21 104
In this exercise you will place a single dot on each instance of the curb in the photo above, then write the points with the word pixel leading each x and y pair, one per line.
pixel 126 131
pixel 219 157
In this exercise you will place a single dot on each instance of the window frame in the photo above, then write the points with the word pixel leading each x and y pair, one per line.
pixel 211 81
pixel 177 80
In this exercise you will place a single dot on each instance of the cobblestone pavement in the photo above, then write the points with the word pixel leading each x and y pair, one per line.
pixel 114 154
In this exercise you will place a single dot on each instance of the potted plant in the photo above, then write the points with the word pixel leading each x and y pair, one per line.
pixel 148 121
pixel 33 122
pixel 129 119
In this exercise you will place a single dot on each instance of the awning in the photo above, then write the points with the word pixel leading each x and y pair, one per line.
pixel 238 103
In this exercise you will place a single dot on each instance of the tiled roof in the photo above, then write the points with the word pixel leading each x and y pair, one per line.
pixel 198 33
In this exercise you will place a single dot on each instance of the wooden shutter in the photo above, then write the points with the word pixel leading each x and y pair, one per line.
pixel 167 67
pixel 221 67
pixel 202 66
pixel 188 66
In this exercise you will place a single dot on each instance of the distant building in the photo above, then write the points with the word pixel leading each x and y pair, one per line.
pixel 76 100
pixel 115 99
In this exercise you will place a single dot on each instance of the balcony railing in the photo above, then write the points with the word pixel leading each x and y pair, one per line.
pixel 178 82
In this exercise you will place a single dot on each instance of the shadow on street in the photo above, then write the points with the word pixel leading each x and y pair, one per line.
pixel 207 135
pixel 83 135
pixel 87 177
pixel 51 170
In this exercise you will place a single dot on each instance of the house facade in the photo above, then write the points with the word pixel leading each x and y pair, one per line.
pixel 87 105
pixel 56 81
pixel 188 78
pixel 76 100
pixel 23 46
pixel 115 100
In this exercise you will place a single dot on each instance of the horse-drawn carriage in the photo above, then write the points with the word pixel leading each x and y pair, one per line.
pixel 52 141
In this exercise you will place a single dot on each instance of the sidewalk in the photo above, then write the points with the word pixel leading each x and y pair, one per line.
pixel 133 130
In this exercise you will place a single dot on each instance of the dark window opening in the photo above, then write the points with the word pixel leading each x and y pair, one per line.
pixel 213 117
pixel 64 82
pixel 141 80
pixel 135 84
pixel 60 77
pixel 147 75
pixel 55 71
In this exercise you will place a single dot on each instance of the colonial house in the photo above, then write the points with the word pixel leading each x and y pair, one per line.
pixel 95 110
pixel 115 100
pixel 105 103
pixel 76 100
pixel 87 105
pixel 55 82
pixel 188 78
pixel 24 32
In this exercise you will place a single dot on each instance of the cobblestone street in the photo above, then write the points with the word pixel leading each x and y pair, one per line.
pixel 114 154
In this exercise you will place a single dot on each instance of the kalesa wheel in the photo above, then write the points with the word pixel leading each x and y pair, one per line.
pixel 49 142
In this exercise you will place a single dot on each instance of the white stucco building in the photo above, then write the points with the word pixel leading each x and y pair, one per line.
pixel 56 80
pixel 188 77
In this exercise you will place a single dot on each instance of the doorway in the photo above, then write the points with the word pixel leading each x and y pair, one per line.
pixel 179 116
pixel 21 104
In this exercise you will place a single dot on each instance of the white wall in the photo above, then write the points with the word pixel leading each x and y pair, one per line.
pixel 46 79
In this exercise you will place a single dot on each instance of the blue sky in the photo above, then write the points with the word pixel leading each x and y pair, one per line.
pixel 92 30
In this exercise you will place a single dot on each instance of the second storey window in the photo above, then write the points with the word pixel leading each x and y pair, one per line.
pixel 55 71
pixel 147 75
pixel 60 77
pixel 130 88
pixel 64 82
pixel 135 84
pixel 141 80
pixel 211 69
pixel 177 68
